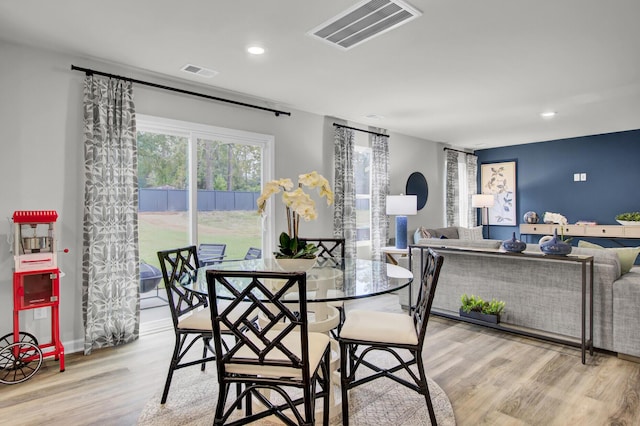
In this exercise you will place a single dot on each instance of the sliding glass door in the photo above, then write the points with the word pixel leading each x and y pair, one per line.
pixel 199 184
pixel 229 182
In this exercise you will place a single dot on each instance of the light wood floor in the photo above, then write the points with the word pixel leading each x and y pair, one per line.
pixel 491 379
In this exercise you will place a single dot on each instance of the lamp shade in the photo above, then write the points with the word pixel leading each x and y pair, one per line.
pixel 402 205
pixel 482 200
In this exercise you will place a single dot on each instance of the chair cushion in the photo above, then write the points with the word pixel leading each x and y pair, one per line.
pixel 201 320
pixel 198 320
pixel 384 327
pixel 318 343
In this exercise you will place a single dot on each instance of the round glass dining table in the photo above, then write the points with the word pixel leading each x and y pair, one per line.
pixel 328 281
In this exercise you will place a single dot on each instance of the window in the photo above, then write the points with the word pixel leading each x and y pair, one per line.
pixel 362 170
pixel 199 184
pixel 463 193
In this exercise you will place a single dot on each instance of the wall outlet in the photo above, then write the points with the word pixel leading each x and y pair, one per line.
pixel 40 313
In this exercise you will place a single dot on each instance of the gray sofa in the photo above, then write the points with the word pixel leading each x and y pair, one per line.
pixel 540 294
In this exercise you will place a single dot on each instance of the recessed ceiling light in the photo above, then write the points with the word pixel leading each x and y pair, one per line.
pixel 374 116
pixel 548 114
pixel 255 50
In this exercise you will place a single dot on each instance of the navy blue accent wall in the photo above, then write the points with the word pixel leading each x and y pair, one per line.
pixel 544 177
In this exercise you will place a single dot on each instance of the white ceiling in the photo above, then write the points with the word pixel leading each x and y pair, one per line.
pixel 473 74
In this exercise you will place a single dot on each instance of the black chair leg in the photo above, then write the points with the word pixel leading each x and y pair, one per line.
pixel 327 391
pixel 204 352
pixel 167 384
pixel 238 391
pixel 222 398
pixel 343 317
pixel 425 389
pixel 309 407
pixel 172 367
pixel 344 381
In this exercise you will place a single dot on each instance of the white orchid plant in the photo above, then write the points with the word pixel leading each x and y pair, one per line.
pixel 298 205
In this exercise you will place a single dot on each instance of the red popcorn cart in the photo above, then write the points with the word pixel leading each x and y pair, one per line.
pixel 36 285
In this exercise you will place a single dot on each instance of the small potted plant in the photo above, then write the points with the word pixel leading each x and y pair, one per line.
pixel 476 308
pixel 628 219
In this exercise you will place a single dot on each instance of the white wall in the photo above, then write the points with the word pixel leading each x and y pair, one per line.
pixel 41 165
pixel 407 155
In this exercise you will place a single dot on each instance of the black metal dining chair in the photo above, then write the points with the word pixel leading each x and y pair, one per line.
pixel 278 355
pixel 328 248
pixel 331 250
pixel 191 322
pixel 389 332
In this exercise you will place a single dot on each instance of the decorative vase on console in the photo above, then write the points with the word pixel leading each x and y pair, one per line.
pixel 514 245
pixel 531 217
pixel 555 246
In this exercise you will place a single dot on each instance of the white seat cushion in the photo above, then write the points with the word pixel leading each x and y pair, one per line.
pixel 384 327
pixel 201 320
pixel 198 320
pixel 318 343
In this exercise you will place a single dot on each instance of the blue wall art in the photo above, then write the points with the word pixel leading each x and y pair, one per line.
pixel 499 179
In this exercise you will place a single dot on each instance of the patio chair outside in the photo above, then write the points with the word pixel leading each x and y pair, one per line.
pixel 253 253
pixel 211 253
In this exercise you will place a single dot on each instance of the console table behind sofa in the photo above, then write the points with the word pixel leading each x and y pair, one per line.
pixel 579 288
pixel 540 295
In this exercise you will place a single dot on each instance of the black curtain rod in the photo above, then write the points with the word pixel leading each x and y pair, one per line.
pixel 88 71
pixel 360 130
pixel 457 150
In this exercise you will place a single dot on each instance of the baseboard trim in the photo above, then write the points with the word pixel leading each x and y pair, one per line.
pixel 629 358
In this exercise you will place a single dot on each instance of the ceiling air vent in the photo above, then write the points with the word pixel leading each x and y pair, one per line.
pixel 364 21
pixel 202 72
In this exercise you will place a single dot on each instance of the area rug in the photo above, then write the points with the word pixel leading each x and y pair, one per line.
pixel 193 395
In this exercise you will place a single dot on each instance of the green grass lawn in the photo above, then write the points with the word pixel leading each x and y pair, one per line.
pixel 239 230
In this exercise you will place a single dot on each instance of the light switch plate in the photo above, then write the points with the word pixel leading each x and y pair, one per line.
pixel 583 177
pixel 576 177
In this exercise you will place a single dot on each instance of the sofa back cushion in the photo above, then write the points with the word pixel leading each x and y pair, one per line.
pixel 474 244
pixel 600 256
pixel 474 233
pixel 626 255
pixel 450 233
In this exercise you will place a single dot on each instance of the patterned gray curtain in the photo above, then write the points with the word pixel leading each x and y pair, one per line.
pixel 452 190
pixel 110 268
pixel 379 192
pixel 344 212
pixel 472 187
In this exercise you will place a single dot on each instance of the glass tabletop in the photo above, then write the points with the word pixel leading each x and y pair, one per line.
pixel 330 280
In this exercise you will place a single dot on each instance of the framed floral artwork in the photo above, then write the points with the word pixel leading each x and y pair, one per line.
pixel 499 179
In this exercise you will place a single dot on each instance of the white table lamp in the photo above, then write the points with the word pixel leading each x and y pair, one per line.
pixel 483 201
pixel 401 206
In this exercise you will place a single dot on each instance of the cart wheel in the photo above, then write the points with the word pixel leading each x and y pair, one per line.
pixel 7 339
pixel 19 362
